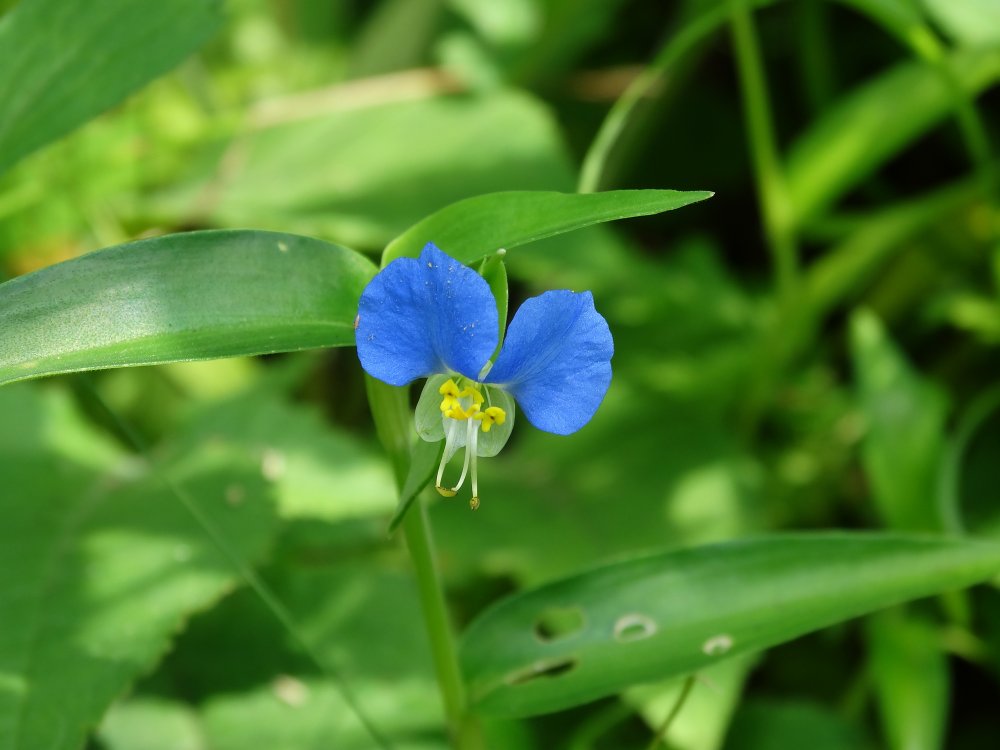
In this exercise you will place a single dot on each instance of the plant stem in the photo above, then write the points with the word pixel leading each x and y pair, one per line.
pixel 391 413
pixel 678 705
pixel 775 202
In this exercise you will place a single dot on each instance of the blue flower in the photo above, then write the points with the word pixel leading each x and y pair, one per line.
pixel 433 316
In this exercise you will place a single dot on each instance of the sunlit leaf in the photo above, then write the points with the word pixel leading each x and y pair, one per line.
pixel 967 21
pixel 674 613
pixel 361 163
pixel 199 295
pixel 470 229
pixel 100 565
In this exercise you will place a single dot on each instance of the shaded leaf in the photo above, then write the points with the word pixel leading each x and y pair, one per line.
pixel 875 122
pixel 910 672
pixel 906 416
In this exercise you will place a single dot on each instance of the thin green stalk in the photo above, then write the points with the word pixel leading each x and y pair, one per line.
pixel 776 206
pixel 815 53
pixel 926 45
pixel 390 410
pixel 678 705
pixel 594 170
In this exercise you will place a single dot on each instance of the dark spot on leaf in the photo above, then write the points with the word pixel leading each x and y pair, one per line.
pixel 552 668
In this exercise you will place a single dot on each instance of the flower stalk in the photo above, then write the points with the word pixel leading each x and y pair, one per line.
pixel 391 414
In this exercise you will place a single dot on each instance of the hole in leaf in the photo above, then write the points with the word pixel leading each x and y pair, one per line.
pixel 558 622
pixel 552 668
pixel 633 627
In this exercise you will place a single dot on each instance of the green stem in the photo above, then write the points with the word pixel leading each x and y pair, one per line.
pixel 678 705
pixel 390 410
pixel 775 203
pixel 926 45
pixel 595 168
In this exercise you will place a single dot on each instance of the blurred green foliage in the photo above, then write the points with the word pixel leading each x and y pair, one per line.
pixel 857 391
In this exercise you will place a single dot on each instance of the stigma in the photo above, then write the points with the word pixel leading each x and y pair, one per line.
pixel 464 416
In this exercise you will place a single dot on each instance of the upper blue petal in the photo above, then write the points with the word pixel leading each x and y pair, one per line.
pixel 419 317
pixel 556 360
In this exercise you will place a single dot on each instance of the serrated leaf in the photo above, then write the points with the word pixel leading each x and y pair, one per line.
pixel 475 227
pixel 62 63
pixel 100 567
pixel 674 613
pixel 198 295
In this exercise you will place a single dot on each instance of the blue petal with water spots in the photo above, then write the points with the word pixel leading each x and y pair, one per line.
pixel 423 316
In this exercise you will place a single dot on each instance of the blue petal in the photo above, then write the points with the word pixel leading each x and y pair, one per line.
pixel 556 360
pixel 419 317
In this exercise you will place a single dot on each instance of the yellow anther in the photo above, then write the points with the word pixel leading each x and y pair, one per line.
pixel 448 389
pixel 457 412
pixel 444 491
pixel 474 503
pixel 470 392
pixel 492 415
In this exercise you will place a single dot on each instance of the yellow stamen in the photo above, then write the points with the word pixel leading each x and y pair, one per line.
pixel 448 389
pixel 457 412
pixel 473 393
pixel 444 491
pixel 474 503
pixel 490 416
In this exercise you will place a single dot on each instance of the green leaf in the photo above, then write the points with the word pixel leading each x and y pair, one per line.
pixel 910 672
pixel 674 613
pixel 708 709
pixel 152 724
pixel 62 63
pixel 494 270
pixel 100 564
pixel 877 121
pixel 317 471
pixel 793 725
pixel 967 21
pixel 199 295
pixel 969 482
pixel 335 165
pixel 473 228
pixel 906 415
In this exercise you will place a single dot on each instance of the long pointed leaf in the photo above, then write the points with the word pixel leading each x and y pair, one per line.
pixel 199 295
pixel 470 229
pixel 674 613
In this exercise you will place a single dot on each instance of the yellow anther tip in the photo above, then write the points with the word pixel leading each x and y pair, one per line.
pixel 449 389
pixel 444 491
pixel 474 503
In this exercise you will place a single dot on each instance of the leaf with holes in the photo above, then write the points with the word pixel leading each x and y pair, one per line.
pixel 199 295
pixel 675 613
